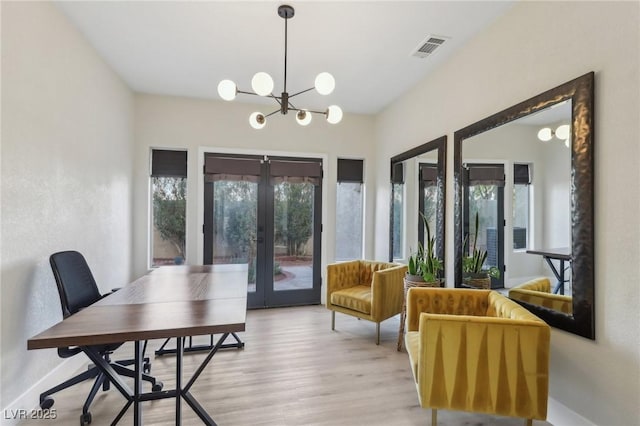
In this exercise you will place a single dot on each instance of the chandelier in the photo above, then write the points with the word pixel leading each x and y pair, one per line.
pixel 262 85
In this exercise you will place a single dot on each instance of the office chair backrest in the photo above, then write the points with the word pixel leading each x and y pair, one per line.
pixel 76 285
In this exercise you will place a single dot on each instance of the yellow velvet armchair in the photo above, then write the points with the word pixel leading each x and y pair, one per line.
pixel 365 289
pixel 538 292
pixel 478 351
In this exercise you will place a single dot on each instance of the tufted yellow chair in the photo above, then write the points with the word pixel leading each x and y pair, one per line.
pixel 478 351
pixel 538 292
pixel 365 289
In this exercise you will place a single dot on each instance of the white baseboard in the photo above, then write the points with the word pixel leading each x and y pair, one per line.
pixel 559 415
pixel 30 399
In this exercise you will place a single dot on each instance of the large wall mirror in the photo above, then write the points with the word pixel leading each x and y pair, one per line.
pixel 525 177
pixel 417 187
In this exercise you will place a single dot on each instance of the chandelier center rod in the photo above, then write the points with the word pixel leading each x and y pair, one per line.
pixel 285 12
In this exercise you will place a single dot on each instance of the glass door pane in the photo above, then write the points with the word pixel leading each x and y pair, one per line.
pixel 235 212
pixel 293 244
pixel 487 202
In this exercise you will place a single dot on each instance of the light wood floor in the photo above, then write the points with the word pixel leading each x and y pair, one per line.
pixel 293 371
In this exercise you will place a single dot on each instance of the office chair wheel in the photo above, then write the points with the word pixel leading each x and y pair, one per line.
pixel 157 386
pixel 146 368
pixel 85 419
pixel 46 403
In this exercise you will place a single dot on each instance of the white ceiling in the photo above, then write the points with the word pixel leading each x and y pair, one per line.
pixel 185 48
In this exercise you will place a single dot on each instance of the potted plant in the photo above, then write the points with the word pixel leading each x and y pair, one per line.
pixel 474 272
pixel 424 265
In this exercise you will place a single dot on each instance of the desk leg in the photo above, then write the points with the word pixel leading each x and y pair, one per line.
pixel 112 376
pixel 137 385
pixel 193 403
pixel 561 283
pixel 179 353
pixel 239 344
pixel 559 275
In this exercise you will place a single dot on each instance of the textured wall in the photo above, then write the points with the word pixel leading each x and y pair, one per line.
pixel 66 177
pixel 536 46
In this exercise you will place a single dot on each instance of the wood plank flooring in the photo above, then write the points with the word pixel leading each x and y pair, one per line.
pixel 293 371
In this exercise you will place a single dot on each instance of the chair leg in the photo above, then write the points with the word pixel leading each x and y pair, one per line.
pixel 94 390
pixel 434 417
pixel 85 375
pixel 528 422
pixel 123 371
pixel 333 320
pixel 377 333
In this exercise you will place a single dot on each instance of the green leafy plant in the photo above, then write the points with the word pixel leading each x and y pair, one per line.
pixel 473 263
pixel 424 262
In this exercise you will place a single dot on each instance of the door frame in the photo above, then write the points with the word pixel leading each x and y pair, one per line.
pixel 199 188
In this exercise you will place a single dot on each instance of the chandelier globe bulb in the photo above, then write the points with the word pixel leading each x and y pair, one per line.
pixel 303 117
pixel 334 114
pixel 562 132
pixel 257 120
pixel 545 134
pixel 262 84
pixel 227 90
pixel 325 83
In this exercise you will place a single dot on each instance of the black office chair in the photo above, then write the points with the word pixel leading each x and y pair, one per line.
pixel 78 289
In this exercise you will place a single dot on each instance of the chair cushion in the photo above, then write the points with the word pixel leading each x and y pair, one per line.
pixel 357 298
pixel 411 342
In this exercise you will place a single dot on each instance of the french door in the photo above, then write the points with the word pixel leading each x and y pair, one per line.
pixel 484 196
pixel 266 212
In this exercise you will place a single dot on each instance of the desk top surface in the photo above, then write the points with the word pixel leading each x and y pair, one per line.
pixel 171 301
pixel 563 253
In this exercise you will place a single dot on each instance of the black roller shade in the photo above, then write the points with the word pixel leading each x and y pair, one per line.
pixel 521 174
pixel 218 167
pixel 429 173
pixel 397 175
pixel 350 170
pixel 296 171
pixel 168 163
pixel 231 166
pixel 485 174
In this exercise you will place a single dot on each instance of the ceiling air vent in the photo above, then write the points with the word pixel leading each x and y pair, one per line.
pixel 429 45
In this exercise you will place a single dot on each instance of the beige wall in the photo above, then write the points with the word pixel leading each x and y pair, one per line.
pixel 217 126
pixel 66 178
pixel 534 47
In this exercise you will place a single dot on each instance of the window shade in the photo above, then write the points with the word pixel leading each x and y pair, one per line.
pixel 485 174
pixel 397 174
pixel 350 170
pixel 295 171
pixel 429 173
pixel 168 163
pixel 231 168
pixel 521 174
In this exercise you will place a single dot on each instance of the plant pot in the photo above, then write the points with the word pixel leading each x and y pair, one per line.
pixel 418 281
pixel 413 278
pixel 477 280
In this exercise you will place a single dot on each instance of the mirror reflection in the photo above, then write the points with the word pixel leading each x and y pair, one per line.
pixel 417 189
pixel 519 175
pixel 524 208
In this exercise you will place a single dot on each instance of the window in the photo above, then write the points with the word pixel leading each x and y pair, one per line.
pixel 397 211
pixel 169 206
pixel 349 209
pixel 521 184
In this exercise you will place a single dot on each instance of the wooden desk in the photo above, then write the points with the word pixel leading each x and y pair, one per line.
pixel 562 255
pixel 170 302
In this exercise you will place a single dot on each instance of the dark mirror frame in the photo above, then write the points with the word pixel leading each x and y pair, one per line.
pixel 581 93
pixel 439 144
